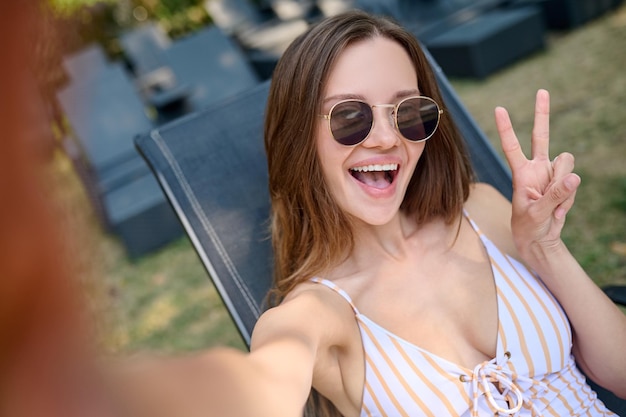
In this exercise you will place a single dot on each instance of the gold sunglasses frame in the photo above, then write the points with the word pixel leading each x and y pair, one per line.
pixel 394 114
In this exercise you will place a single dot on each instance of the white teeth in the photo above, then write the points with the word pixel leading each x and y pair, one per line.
pixel 367 168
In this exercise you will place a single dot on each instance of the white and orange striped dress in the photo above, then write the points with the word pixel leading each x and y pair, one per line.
pixel 533 367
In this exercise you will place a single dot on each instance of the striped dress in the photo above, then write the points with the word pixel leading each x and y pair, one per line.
pixel 533 367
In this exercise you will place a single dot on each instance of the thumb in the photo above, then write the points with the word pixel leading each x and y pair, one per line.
pixel 557 193
pixel 573 182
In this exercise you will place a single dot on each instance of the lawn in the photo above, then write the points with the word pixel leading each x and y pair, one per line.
pixel 164 301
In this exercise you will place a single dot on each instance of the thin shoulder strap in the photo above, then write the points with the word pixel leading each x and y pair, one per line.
pixel 336 289
pixel 472 223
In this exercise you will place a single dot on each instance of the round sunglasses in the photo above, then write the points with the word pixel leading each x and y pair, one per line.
pixel 415 117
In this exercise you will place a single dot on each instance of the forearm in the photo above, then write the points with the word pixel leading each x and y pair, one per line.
pixel 221 383
pixel 599 327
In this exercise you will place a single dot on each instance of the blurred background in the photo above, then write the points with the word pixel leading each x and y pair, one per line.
pixel 113 69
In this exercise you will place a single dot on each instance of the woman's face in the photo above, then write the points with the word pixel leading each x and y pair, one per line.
pixel 369 180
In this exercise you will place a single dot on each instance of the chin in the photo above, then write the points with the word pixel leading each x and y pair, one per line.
pixel 375 220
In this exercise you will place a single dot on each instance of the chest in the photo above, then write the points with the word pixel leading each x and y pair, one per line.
pixel 470 311
pixel 533 343
pixel 470 306
pixel 445 304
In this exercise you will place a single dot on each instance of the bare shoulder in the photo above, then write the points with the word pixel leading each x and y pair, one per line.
pixel 320 324
pixel 483 195
pixel 311 312
pixel 491 211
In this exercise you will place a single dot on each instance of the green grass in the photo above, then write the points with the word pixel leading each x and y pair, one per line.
pixel 165 302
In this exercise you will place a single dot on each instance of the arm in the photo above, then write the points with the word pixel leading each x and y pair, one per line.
pixel 273 380
pixel 543 193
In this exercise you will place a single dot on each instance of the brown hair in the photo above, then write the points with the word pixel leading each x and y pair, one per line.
pixel 309 231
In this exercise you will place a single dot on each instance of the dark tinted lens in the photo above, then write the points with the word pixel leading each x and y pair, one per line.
pixel 351 122
pixel 417 118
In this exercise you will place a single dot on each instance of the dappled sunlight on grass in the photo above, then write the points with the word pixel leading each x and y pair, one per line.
pixel 157 316
pixel 165 301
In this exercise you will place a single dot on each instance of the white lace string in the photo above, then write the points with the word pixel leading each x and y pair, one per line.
pixel 488 373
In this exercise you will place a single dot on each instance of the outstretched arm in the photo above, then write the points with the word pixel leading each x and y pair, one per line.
pixel 543 193
pixel 273 380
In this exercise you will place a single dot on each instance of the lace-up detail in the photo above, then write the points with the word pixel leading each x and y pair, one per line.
pixel 499 384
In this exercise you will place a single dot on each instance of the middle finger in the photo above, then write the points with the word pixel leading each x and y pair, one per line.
pixel 541 127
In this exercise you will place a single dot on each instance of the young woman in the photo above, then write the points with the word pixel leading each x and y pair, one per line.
pixel 402 288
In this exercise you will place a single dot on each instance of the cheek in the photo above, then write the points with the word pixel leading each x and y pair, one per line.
pixel 330 154
pixel 332 157
pixel 324 155
pixel 416 151
pixel 330 169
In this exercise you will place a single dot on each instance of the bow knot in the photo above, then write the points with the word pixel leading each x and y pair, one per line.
pixel 492 378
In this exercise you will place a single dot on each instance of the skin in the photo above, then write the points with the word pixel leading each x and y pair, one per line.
pixel 353 80
pixel 394 259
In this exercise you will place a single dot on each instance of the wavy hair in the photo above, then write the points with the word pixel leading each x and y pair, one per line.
pixel 310 233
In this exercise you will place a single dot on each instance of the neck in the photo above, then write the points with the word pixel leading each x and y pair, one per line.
pixel 402 237
pixel 397 241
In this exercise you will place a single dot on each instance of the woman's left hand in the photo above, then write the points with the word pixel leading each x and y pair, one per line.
pixel 543 190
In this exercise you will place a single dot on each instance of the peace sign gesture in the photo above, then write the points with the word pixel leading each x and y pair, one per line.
pixel 543 190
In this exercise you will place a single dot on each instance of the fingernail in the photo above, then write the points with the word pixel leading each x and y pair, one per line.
pixel 571 182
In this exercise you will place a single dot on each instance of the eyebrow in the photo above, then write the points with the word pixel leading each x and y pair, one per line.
pixel 399 95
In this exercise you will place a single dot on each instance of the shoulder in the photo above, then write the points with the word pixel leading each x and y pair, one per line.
pixel 312 312
pixel 491 211
pixel 486 203
pixel 316 320
pixel 485 195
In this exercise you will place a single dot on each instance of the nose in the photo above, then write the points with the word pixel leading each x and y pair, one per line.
pixel 384 133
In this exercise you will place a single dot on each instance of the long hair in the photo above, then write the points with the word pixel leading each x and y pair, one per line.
pixel 309 231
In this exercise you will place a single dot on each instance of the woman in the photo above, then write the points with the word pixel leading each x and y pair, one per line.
pixel 401 287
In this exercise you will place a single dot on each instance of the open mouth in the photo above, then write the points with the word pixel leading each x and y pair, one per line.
pixel 377 176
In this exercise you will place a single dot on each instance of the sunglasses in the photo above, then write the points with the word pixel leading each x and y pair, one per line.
pixel 415 117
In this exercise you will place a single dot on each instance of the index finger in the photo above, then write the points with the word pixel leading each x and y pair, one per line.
pixel 510 145
pixel 541 127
